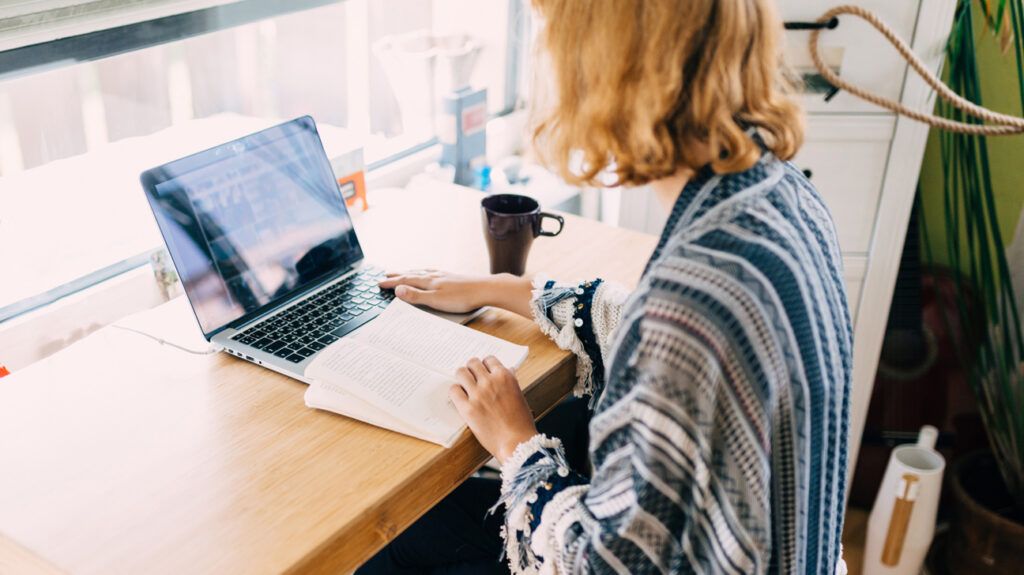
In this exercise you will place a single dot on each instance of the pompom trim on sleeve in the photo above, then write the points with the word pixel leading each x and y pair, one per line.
pixel 533 463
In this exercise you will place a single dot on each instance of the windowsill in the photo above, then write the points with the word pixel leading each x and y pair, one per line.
pixel 97 214
pixel 53 325
pixel 31 337
pixel 97 196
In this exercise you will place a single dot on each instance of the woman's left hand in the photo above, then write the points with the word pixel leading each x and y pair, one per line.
pixel 489 399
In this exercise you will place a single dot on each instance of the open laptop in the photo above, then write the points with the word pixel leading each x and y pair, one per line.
pixel 264 246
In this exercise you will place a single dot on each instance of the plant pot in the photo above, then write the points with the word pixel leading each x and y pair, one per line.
pixel 986 531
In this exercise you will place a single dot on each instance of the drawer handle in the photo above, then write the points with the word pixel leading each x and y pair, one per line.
pixel 815 83
pixel 831 24
pixel 822 85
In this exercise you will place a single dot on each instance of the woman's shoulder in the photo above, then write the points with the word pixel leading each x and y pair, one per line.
pixel 716 199
pixel 754 223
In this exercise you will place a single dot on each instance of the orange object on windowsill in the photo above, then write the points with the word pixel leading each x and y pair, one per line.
pixel 4 371
pixel 353 189
pixel 349 169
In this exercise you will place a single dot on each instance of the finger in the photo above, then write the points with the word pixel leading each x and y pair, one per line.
pixel 423 272
pixel 493 364
pixel 422 282
pixel 478 368
pixel 457 394
pixel 465 378
pixel 414 295
pixel 395 275
pixel 461 402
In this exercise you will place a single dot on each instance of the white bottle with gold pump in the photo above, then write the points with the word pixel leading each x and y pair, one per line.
pixel 902 522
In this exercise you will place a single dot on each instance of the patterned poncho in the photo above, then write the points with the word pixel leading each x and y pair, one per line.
pixel 721 397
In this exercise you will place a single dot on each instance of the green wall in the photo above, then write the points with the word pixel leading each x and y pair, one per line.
pixel 999 91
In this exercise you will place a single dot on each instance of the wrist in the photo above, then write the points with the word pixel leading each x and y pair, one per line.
pixel 508 449
pixel 506 452
pixel 509 292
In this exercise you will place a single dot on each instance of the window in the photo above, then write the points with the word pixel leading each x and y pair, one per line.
pixel 81 117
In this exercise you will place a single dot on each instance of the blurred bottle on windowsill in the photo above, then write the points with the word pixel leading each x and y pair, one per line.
pixel 422 67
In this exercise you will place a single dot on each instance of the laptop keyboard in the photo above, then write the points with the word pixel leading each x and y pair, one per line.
pixel 318 321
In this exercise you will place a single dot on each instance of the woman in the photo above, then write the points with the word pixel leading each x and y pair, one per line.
pixel 720 385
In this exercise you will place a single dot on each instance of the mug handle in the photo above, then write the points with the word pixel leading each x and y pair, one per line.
pixel 561 224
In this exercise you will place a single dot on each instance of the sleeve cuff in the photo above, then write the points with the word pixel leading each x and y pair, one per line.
pixel 531 466
pixel 524 451
pixel 536 479
pixel 553 306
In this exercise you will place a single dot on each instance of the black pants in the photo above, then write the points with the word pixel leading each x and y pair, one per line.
pixel 458 536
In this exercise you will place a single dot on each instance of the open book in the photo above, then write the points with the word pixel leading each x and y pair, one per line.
pixel 395 371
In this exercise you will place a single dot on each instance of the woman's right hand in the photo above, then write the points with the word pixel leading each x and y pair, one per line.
pixel 456 293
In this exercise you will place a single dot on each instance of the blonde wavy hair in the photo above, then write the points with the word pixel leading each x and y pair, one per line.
pixel 644 88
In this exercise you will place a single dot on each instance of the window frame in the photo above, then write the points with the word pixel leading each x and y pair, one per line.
pixel 94 44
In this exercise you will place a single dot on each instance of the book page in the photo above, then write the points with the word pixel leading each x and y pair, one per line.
pixel 432 342
pixel 401 389
pixel 334 398
pixel 388 379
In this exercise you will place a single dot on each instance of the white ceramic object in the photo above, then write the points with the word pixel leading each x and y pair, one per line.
pixel 421 67
pixel 902 521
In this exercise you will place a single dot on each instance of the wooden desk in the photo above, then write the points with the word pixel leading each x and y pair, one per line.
pixel 118 455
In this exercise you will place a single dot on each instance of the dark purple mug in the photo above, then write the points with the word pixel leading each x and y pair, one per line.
pixel 511 222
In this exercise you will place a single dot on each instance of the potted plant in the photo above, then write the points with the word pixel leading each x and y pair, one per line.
pixel 987 529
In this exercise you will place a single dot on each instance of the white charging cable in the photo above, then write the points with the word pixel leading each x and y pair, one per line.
pixel 163 341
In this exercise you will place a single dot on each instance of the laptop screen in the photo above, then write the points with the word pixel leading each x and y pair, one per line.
pixel 252 222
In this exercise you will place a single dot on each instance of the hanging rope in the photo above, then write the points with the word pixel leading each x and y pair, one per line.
pixel 998 124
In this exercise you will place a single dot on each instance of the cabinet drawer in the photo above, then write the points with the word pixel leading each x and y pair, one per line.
pixel 857 51
pixel 846 157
